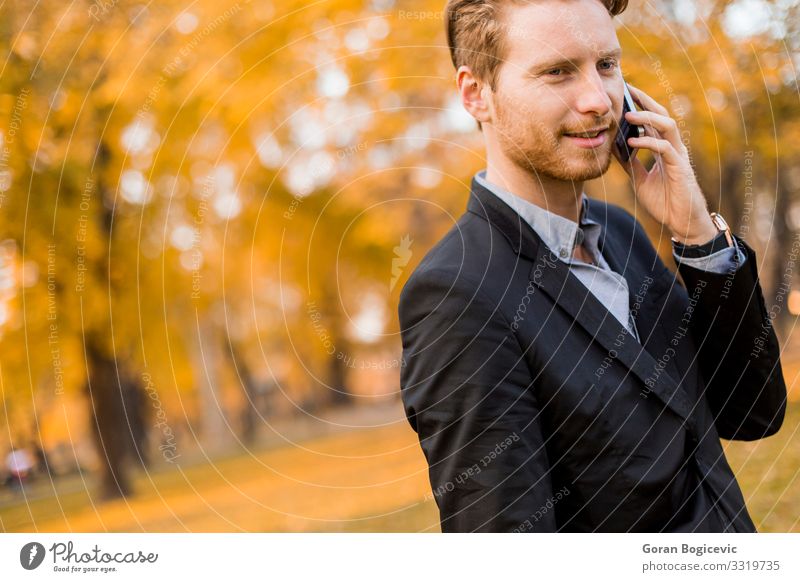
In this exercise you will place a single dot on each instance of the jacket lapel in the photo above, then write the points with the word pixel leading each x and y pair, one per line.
pixel 554 278
pixel 645 288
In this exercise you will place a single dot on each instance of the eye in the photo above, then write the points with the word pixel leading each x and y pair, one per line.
pixel 608 64
pixel 555 72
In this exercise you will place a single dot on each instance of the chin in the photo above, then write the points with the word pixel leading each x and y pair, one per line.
pixel 594 171
pixel 586 169
pixel 558 163
pixel 595 164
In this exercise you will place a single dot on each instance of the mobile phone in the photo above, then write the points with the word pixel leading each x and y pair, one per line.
pixel 626 129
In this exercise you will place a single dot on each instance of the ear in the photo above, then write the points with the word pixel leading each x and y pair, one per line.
pixel 474 94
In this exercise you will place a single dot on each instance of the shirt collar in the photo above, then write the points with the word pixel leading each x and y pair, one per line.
pixel 560 234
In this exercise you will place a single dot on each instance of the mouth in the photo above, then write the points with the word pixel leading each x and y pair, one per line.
pixel 589 139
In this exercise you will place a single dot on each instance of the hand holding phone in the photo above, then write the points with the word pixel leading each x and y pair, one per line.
pixel 669 190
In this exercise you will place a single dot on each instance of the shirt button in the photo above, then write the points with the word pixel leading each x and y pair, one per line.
pixel 563 253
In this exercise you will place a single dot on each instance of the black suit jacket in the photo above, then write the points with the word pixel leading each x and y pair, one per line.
pixel 538 411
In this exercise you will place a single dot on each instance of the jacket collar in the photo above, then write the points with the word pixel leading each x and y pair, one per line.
pixel 560 234
pixel 554 278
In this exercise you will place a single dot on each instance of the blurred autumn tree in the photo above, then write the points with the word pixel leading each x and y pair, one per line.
pixel 210 209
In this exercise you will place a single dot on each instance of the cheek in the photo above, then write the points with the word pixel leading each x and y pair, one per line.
pixel 616 93
pixel 553 111
pixel 519 99
pixel 535 115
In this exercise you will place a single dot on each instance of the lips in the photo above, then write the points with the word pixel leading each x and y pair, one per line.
pixel 588 139
pixel 588 133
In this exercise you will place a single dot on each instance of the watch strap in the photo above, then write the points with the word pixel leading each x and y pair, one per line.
pixel 716 244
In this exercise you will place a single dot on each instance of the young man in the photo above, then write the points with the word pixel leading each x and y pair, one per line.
pixel 559 376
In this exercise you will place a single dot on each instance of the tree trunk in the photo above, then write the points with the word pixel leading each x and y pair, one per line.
pixel 339 369
pixel 116 401
pixel 782 276
pixel 215 431
pixel 342 359
pixel 249 413
pixel 110 429
pixel 731 198
pixel 137 411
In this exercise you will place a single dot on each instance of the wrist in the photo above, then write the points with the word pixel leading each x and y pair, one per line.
pixel 722 240
pixel 718 243
pixel 698 235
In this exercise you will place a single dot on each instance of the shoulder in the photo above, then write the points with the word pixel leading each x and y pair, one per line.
pixel 458 270
pixel 466 249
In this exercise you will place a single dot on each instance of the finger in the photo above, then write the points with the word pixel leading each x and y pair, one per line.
pixel 666 126
pixel 659 146
pixel 625 164
pixel 646 101
pixel 640 172
pixel 636 171
pixel 649 130
pixel 633 167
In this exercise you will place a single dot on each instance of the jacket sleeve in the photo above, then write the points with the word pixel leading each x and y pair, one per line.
pixel 718 262
pixel 466 391
pixel 738 351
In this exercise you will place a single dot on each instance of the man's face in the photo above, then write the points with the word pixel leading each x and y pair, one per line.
pixel 560 76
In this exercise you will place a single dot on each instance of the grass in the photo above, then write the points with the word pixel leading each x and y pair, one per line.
pixel 358 481
pixel 768 472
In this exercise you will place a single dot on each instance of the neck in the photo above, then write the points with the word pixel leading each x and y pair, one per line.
pixel 557 196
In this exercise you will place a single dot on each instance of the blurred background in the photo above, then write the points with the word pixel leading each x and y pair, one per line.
pixel 208 210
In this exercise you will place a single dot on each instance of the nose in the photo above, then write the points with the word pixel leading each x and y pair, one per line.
pixel 593 97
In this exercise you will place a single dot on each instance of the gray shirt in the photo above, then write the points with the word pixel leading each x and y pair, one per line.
pixel 562 235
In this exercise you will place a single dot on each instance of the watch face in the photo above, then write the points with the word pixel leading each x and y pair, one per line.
pixel 723 228
pixel 719 222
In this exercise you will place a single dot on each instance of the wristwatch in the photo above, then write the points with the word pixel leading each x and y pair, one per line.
pixel 723 240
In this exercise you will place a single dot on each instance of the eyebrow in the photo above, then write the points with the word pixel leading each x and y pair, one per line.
pixel 558 62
